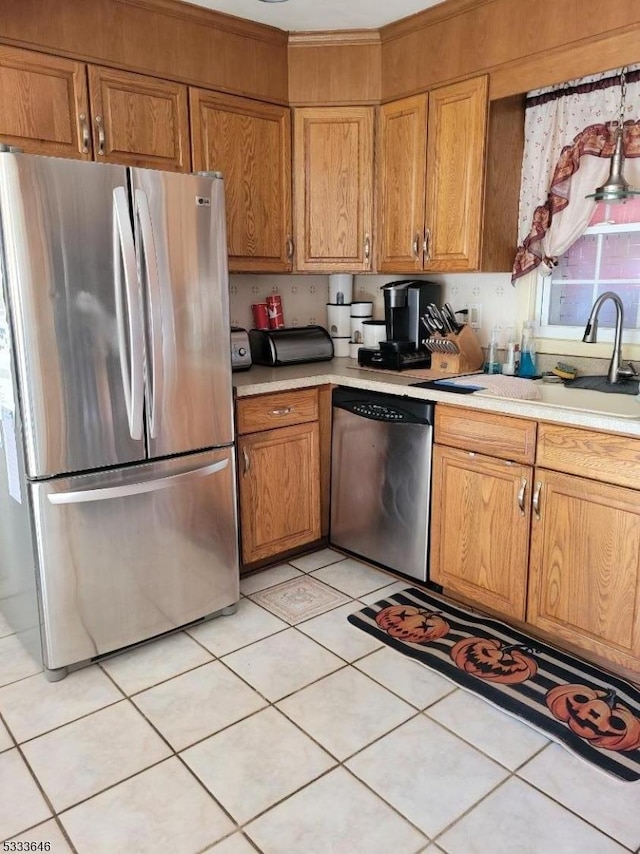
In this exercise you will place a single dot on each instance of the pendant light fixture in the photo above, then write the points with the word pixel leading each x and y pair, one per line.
pixel 616 188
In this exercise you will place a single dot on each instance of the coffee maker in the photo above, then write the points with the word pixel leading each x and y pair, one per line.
pixel 405 302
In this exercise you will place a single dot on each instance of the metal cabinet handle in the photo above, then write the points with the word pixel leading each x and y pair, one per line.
pixel 84 128
pixel 367 247
pixel 247 461
pixel 290 248
pixel 284 411
pixel 101 137
pixel 426 244
pixel 536 499
pixel 416 245
pixel 521 494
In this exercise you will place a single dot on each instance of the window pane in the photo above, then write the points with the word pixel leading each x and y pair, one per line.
pixel 579 261
pixel 570 304
pixel 629 293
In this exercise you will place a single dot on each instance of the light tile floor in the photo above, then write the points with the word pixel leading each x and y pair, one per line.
pixel 286 731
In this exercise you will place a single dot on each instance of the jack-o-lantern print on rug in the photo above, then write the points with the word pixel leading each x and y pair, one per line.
pixel 488 658
pixel 592 713
pixel 596 715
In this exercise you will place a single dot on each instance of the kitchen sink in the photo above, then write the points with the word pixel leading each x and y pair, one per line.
pixel 584 400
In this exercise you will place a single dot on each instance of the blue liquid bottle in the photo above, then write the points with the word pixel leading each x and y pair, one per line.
pixel 528 366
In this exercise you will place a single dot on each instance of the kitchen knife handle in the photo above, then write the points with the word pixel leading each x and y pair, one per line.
pixel 101 137
pixel 521 494
pixel 247 461
pixel 84 129
pixel 536 499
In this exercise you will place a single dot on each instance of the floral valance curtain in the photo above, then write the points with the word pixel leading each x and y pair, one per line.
pixel 568 146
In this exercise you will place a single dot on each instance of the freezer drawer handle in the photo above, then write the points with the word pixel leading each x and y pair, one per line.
pixel 108 492
pixel 124 256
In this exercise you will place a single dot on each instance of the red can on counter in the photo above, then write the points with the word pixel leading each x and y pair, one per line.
pixel 260 315
pixel 274 307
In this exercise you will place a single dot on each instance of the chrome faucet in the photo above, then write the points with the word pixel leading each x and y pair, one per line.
pixel 616 372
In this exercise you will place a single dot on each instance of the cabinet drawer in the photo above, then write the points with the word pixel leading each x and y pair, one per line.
pixel 486 433
pixel 267 411
pixel 599 456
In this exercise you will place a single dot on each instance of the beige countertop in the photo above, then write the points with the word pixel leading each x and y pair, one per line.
pixel 345 372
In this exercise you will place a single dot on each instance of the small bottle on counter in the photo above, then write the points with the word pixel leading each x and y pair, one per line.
pixel 512 363
pixel 528 366
pixel 492 364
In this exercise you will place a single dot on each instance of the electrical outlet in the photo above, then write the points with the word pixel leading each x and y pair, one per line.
pixel 474 316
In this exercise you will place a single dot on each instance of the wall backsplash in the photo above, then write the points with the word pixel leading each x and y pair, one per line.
pixel 303 297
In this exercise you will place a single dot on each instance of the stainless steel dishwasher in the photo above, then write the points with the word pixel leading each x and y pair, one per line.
pixel 381 478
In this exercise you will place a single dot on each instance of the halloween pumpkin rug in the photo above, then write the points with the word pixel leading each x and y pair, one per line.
pixel 592 713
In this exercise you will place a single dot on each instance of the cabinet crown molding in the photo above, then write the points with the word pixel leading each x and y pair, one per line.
pixel 336 37
pixel 211 18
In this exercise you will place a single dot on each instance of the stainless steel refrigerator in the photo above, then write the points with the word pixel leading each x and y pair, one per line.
pixel 118 499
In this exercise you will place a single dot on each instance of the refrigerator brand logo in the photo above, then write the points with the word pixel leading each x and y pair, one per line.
pixel 201 200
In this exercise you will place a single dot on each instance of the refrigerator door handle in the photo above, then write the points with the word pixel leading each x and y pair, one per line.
pixel 124 258
pixel 82 496
pixel 151 281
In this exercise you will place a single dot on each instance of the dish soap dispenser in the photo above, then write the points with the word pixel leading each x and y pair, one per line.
pixel 527 366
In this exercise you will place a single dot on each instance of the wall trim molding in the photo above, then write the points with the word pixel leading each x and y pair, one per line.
pixel 335 37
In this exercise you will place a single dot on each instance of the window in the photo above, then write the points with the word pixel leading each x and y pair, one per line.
pixel 605 258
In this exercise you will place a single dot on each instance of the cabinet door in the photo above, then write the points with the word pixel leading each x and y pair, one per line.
pixel 279 490
pixel 480 528
pixel 585 566
pixel 455 175
pixel 139 121
pixel 250 143
pixel 333 188
pixel 44 106
pixel 402 159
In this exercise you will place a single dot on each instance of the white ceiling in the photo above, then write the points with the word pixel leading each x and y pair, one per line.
pixel 299 15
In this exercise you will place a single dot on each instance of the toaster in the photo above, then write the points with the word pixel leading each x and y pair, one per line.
pixel 240 349
pixel 290 346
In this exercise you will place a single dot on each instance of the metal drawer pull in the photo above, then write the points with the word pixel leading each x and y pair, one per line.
pixel 290 248
pixel 521 494
pixel 536 499
pixel 284 411
pixel 247 461
pixel 101 138
pixel 84 127
pixel 425 246
pixel 367 247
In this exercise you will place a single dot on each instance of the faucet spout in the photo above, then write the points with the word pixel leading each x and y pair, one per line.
pixel 616 372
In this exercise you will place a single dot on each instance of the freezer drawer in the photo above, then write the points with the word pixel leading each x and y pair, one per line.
pixel 128 554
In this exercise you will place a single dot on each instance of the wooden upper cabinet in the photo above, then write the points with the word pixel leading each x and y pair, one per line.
pixel 250 143
pixel 333 188
pixel 44 106
pixel 585 566
pixel 455 175
pixel 138 120
pixel 402 158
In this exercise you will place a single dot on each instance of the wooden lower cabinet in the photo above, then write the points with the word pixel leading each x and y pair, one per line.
pixel 279 484
pixel 585 566
pixel 480 528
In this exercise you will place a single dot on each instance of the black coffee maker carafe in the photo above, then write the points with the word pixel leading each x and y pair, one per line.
pixel 405 302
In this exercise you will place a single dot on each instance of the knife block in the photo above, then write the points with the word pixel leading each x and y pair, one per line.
pixel 468 358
